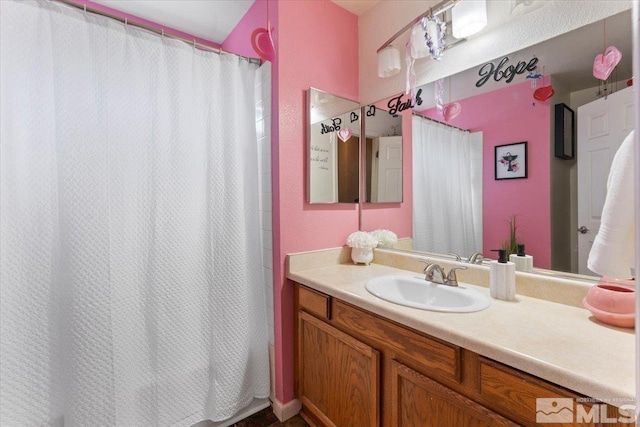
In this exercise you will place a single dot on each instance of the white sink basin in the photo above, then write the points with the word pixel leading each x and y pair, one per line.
pixel 419 293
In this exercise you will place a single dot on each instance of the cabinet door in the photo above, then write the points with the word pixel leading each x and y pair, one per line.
pixel 418 401
pixel 339 376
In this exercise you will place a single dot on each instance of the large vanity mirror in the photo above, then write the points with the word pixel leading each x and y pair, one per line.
pixel 383 155
pixel 555 200
pixel 333 148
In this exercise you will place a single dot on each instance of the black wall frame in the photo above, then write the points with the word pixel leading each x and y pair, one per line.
pixel 565 132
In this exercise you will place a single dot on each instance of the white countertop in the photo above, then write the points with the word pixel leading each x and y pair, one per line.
pixel 559 343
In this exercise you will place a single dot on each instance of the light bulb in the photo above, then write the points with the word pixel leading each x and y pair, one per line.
pixel 388 62
pixel 468 17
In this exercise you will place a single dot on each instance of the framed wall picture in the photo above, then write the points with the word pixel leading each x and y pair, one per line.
pixel 511 161
pixel 565 134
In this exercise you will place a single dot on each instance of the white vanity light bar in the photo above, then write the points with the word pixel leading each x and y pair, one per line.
pixel 436 10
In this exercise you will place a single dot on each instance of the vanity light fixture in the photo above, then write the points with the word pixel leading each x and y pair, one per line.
pixel 388 62
pixel 420 27
pixel 419 48
pixel 521 7
pixel 468 17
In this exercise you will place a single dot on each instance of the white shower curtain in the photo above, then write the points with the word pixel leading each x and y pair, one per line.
pixel 130 264
pixel 447 188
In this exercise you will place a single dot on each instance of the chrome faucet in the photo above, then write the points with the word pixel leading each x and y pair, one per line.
pixel 476 258
pixel 435 273
pixel 455 255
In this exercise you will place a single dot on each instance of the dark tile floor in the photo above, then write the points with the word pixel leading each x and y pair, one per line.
pixel 266 418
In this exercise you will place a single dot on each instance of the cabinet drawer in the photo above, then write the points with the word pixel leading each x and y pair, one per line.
pixel 440 359
pixel 314 302
pixel 514 394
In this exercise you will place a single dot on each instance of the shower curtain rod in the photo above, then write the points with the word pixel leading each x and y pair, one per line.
pixel 437 121
pixel 157 31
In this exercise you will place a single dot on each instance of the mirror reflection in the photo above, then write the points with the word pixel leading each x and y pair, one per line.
pixel 333 148
pixel 556 204
pixel 447 188
pixel 383 155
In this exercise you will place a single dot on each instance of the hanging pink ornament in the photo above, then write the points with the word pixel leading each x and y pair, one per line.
pixel 262 44
pixel 604 64
pixel 262 41
pixel 451 111
pixel 344 134
pixel 543 93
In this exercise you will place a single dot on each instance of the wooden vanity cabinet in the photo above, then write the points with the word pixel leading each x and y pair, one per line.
pixel 357 369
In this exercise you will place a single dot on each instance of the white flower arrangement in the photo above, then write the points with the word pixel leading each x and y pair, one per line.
pixel 385 238
pixel 362 239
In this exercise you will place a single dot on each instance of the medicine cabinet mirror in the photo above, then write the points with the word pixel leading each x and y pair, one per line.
pixel 333 148
pixel 516 115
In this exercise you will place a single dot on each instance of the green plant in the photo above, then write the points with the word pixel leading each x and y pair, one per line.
pixel 510 245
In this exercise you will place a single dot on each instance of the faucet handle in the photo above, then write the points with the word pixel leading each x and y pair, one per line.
pixel 434 273
pixel 451 277
pixel 426 266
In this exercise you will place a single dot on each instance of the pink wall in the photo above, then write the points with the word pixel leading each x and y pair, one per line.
pixel 396 217
pixel 505 116
pixel 317 46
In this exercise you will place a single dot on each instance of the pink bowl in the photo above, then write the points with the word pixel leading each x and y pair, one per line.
pixel 613 302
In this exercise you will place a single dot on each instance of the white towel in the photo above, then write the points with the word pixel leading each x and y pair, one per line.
pixel 612 253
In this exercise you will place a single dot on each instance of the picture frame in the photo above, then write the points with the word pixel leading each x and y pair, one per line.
pixel 511 161
pixel 565 132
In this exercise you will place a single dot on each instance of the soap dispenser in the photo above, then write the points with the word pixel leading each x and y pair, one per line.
pixel 522 261
pixel 502 277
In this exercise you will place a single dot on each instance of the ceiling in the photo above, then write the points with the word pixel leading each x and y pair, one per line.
pixel 211 20
pixel 357 7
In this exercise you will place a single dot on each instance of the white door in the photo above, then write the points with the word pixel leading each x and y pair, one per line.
pixel 389 169
pixel 602 126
